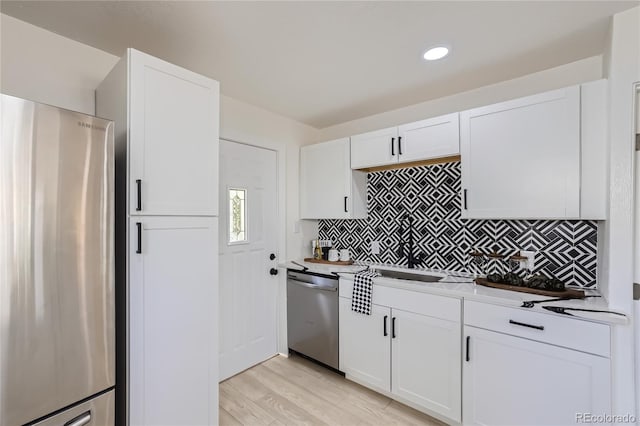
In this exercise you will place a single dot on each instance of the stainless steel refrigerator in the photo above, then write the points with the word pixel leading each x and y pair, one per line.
pixel 56 266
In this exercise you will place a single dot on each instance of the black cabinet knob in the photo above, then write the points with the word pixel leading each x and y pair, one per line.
pixel 273 271
pixel 272 256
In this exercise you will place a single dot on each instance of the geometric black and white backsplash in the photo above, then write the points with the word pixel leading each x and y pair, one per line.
pixel 565 249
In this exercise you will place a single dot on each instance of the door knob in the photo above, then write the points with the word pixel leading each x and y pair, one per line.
pixel 272 256
pixel 273 271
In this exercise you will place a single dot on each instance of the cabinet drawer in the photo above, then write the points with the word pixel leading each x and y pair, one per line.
pixel 433 305
pixel 572 333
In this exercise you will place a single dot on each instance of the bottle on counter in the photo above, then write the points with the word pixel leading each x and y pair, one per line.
pixel 318 253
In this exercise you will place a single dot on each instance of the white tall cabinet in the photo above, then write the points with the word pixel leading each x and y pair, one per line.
pixel 167 121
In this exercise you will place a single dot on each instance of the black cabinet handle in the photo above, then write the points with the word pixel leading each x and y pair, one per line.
pixel 393 327
pixel 273 271
pixel 139 248
pixel 139 186
pixel 345 204
pixel 464 196
pixel 522 324
pixel 467 356
pixel 399 145
pixel 384 327
pixel 272 256
pixel 393 147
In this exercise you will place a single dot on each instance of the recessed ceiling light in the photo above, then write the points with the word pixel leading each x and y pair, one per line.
pixel 436 53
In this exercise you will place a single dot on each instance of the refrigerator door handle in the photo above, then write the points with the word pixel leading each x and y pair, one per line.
pixel 82 420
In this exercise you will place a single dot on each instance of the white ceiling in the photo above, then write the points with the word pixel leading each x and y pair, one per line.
pixel 324 63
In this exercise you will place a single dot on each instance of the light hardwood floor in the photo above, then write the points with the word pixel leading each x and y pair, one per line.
pixel 295 391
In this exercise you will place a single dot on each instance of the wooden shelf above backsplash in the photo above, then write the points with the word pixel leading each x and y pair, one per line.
pixel 413 164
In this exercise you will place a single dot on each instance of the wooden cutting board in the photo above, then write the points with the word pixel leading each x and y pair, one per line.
pixel 569 292
pixel 327 262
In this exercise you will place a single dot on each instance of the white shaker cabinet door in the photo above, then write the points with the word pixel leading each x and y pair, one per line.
pixel 173 139
pixel 431 138
pixel 521 158
pixel 365 350
pixel 377 148
pixel 514 381
pixel 173 317
pixel 426 362
pixel 329 189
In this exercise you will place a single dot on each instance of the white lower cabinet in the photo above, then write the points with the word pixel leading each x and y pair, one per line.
pixel 425 362
pixel 506 366
pixel 514 381
pixel 413 357
pixel 173 321
pixel 365 354
pixel 517 371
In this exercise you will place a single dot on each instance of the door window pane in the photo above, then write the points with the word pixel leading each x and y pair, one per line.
pixel 237 215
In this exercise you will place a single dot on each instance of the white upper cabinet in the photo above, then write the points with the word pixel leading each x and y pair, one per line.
pixel 422 140
pixel 594 179
pixel 372 149
pixel 329 189
pixel 173 121
pixel 432 138
pixel 522 158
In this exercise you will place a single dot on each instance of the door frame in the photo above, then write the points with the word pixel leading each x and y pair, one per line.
pixel 636 266
pixel 281 300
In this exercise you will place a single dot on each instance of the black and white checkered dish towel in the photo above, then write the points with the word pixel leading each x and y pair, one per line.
pixel 362 290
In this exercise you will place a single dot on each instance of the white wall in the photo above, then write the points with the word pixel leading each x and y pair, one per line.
pixel 573 73
pixel 622 67
pixel 39 65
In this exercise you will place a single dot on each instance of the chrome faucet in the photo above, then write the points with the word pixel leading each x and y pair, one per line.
pixel 412 261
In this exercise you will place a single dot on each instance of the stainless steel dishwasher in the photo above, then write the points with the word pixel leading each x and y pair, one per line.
pixel 312 316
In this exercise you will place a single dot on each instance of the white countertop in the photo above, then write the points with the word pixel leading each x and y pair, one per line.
pixel 461 285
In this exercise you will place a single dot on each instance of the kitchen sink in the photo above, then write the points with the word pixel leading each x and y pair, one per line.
pixel 427 277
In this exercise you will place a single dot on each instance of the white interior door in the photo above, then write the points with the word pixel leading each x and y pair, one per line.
pixel 248 237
